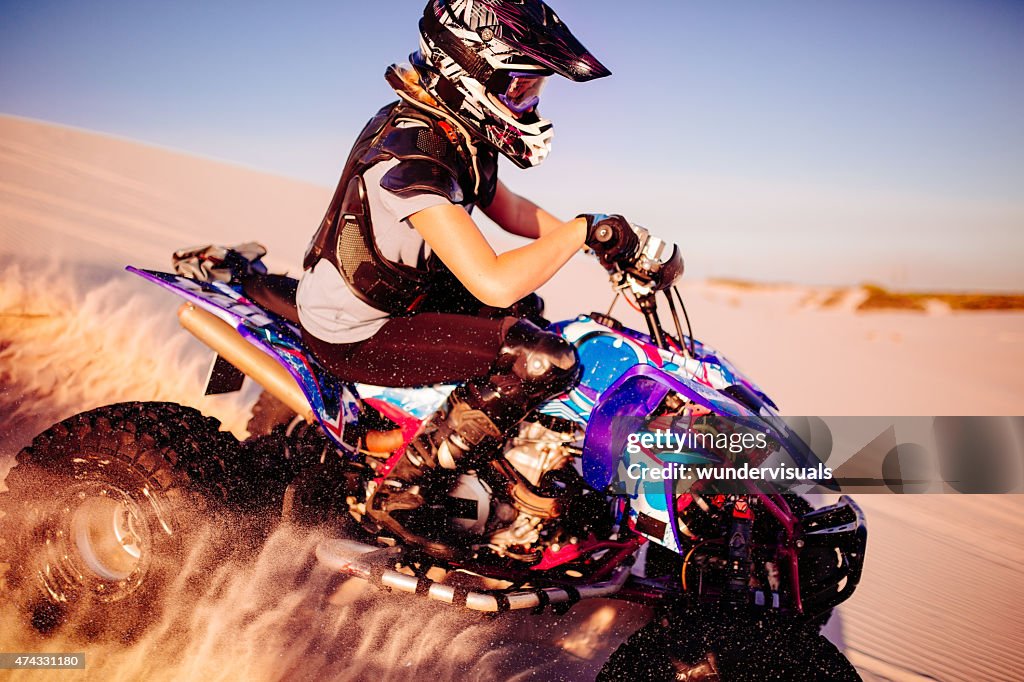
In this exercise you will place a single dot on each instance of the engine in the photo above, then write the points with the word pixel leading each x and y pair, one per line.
pixel 518 505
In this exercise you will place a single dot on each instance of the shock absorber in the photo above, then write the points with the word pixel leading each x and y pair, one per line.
pixel 738 572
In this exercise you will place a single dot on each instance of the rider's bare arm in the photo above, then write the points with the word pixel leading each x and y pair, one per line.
pixel 519 215
pixel 496 280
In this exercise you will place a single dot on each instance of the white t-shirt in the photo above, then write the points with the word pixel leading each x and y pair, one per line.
pixel 328 308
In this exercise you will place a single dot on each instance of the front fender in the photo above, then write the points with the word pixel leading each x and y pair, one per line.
pixel 625 405
pixel 622 408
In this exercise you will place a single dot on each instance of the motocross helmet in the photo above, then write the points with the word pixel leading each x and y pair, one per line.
pixel 486 62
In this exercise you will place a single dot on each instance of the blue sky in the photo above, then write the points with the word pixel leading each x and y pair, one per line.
pixel 829 142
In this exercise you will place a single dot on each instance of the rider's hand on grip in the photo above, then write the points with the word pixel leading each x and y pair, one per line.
pixel 611 237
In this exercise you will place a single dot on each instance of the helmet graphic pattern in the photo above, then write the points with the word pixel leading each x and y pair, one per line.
pixel 465 43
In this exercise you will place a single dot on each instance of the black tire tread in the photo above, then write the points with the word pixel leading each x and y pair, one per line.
pixel 745 652
pixel 178 450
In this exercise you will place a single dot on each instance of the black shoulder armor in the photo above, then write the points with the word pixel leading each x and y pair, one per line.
pixel 421 175
pixel 429 160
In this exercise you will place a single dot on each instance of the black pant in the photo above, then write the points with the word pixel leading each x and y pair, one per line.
pixel 456 338
pixel 428 348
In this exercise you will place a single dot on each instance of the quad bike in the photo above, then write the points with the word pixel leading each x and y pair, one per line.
pixel 740 578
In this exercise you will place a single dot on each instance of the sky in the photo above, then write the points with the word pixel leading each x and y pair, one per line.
pixel 814 142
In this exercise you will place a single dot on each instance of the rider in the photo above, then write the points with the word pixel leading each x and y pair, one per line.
pixel 400 286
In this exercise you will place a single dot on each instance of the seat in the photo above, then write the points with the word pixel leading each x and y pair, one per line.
pixel 275 293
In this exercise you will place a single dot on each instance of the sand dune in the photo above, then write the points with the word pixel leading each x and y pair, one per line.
pixel 939 598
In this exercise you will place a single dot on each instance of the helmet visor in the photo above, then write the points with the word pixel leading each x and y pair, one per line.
pixel 521 91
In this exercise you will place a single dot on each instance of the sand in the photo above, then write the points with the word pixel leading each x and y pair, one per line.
pixel 940 597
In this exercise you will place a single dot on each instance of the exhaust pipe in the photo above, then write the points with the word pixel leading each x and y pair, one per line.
pixel 376 565
pixel 250 360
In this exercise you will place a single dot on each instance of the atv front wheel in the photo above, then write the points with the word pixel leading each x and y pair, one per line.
pixel 710 646
pixel 99 510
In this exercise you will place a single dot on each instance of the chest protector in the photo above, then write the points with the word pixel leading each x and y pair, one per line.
pixel 432 158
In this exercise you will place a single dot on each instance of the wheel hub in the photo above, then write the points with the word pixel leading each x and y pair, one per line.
pixel 100 542
pixel 104 531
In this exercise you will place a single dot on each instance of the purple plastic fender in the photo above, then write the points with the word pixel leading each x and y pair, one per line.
pixel 636 394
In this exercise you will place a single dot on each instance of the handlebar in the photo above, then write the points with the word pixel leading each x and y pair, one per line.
pixel 655 266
